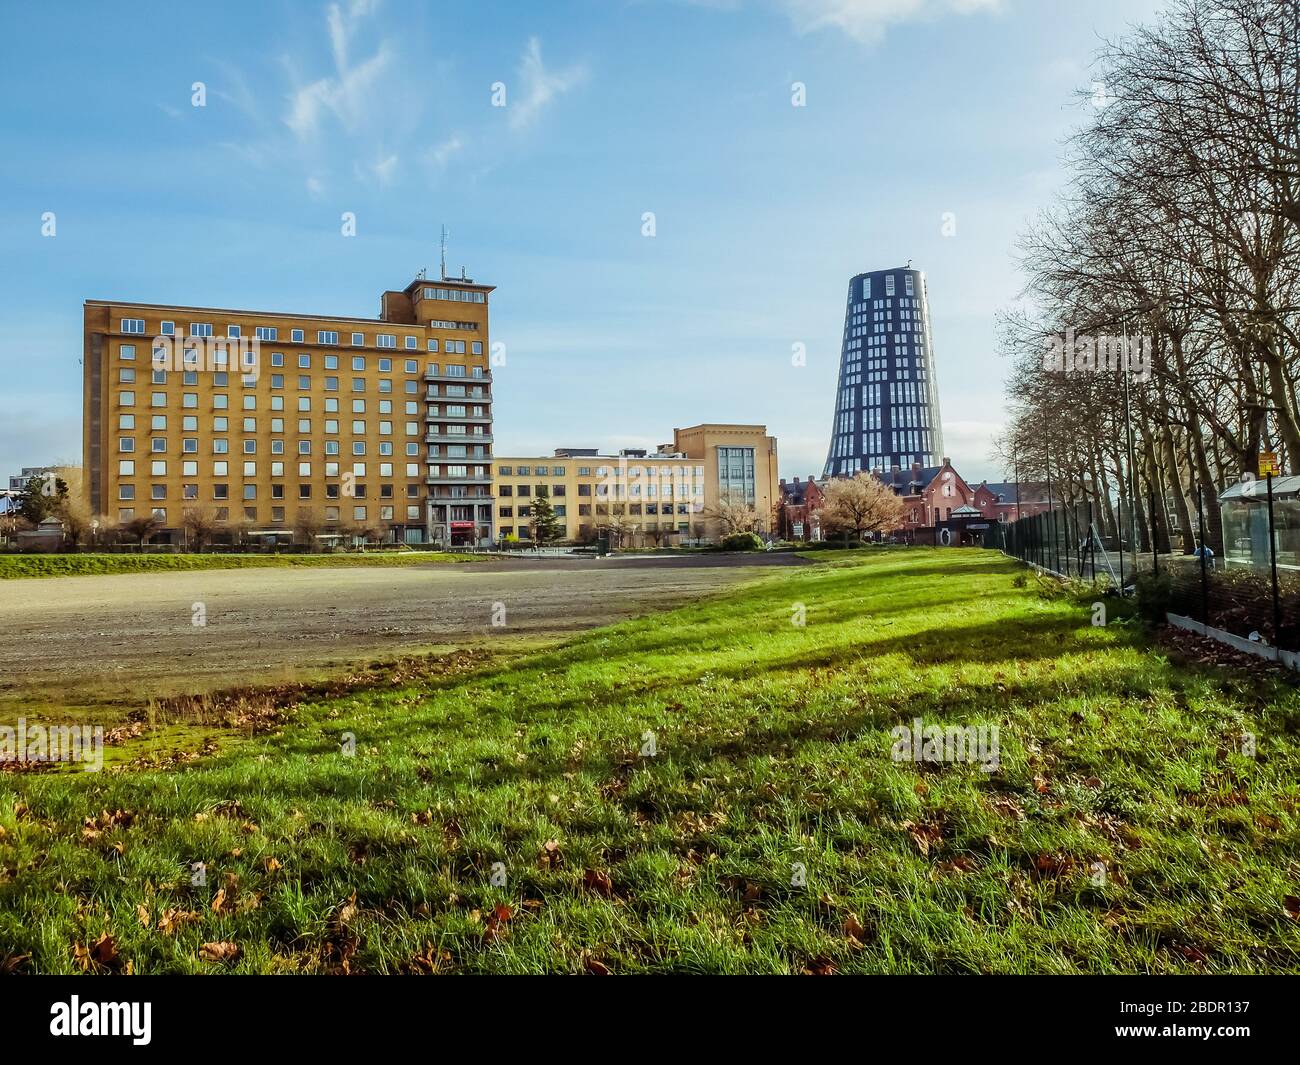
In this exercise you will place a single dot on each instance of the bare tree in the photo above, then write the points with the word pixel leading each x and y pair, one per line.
pixel 617 528
pixel 1182 227
pixel 200 523
pixel 733 514
pixel 10 522
pixel 142 526
pixel 73 510
pixel 860 505
pixel 307 526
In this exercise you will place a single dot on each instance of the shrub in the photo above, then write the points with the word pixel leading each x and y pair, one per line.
pixel 742 541
pixel 1154 594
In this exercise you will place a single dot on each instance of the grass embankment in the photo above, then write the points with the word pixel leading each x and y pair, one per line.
pixel 13 567
pixel 1122 832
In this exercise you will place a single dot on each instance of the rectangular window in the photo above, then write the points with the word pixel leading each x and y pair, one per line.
pixel 132 325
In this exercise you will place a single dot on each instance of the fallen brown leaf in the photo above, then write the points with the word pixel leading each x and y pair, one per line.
pixel 219 952
pixel 854 930
pixel 598 881
pixel 497 921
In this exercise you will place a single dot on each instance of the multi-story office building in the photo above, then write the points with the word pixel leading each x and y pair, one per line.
pixel 640 497
pixel 282 425
pixel 18 481
pixel 887 400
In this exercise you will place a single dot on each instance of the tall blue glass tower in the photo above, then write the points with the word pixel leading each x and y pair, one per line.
pixel 887 402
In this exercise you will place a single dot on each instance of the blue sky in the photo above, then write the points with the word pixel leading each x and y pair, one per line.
pixel 914 109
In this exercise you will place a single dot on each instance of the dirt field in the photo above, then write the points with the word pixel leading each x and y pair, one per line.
pixel 109 643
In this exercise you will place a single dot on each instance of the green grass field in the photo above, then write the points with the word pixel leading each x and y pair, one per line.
pixel 505 815
pixel 13 567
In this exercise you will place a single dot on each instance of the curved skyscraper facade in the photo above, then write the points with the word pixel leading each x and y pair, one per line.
pixel 887 400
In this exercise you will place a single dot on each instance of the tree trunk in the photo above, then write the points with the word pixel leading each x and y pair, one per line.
pixel 1174 477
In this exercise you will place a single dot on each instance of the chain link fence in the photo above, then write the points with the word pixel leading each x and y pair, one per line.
pixel 1237 571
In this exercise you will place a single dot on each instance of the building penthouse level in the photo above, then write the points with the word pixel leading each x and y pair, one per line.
pixel 304 426
pixel 887 400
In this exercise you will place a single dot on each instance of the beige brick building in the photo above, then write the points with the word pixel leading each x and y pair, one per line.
pixel 281 426
pixel 641 498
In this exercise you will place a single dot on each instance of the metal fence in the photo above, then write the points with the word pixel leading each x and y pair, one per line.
pixel 1174 567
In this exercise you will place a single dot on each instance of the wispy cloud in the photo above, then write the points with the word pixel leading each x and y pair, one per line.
pixel 442 154
pixel 347 94
pixel 540 87
pixel 865 21
pixel 383 169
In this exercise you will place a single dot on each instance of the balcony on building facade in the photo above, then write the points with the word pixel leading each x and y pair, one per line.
pixel 458 379
pixel 468 479
pixel 467 419
pixel 484 398
pixel 458 438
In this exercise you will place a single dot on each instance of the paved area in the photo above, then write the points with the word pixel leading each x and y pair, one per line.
pixel 114 641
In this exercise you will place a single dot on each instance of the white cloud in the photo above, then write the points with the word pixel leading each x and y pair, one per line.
pixel 442 154
pixel 384 169
pixel 348 93
pixel 867 20
pixel 540 87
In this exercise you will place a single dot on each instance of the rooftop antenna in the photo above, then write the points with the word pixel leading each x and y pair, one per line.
pixel 444 253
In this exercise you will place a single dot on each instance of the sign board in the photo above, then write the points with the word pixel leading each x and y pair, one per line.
pixel 798 530
pixel 1268 464
pixel 462 525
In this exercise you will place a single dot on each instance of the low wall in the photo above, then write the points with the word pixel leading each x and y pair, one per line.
pixel 1258 648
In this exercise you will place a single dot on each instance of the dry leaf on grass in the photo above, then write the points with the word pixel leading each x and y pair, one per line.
pixel 224 951
pixel 598 882
pixel 498 919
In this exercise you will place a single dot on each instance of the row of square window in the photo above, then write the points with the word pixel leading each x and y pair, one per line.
pixel 190 358
pixel 221 424
pixel 221 401
pixel 665 472
pixel 584 511
pixel 413 513
pixel 221 492
pixel 190 446
pixel 126 376
pixel 602 490
pixel 908 282
pixel 221 468
pixel 135 326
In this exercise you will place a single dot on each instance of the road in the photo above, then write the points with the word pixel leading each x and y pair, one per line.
pixel 115 641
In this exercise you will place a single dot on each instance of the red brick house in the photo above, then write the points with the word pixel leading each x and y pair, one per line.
pixel 942 507
pixel 797 510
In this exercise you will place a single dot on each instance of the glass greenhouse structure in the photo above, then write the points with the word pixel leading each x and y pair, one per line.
pixel 1244 508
